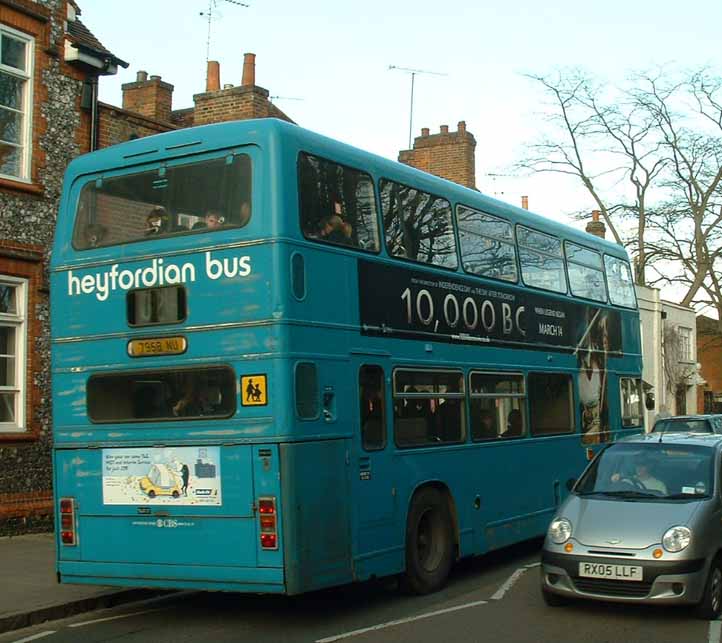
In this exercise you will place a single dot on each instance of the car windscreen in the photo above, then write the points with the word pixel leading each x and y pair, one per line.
pixel 650 470
pixel 674 424
pixel 190 197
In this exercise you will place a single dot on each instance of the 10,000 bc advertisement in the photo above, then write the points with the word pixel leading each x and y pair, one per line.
pixel 405 303
pixel 410 304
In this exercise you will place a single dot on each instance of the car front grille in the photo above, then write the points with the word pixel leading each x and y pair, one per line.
pixel 603 587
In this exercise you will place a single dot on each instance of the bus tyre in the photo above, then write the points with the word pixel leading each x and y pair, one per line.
pixel 710 607
pixel 429 542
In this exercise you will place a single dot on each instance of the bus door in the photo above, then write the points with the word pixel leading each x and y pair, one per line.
pixel 374 477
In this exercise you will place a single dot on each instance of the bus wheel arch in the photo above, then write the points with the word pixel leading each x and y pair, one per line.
pixel 431 539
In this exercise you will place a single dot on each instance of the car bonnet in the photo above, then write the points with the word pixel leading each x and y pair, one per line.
pixel 626 524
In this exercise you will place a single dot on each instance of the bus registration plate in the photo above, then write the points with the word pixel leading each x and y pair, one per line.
pixel 157 346
pixel 616 572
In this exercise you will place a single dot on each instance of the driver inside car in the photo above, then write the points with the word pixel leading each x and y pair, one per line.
pixel 643 477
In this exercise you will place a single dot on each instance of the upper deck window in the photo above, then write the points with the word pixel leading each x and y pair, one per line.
pixel 418 225
pixel 487 244
pixel 619 277
pixel 205 196
pixel 586 274
pixel 541 260
pixel 337 204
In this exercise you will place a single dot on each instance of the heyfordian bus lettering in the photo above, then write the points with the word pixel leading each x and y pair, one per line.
pixel 157 273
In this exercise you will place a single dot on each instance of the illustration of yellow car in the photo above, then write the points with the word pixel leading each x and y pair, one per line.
pixel 160 481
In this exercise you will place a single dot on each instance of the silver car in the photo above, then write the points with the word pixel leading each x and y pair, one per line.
pixel 643 524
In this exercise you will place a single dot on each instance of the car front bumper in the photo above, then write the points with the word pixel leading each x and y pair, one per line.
pixel 672 582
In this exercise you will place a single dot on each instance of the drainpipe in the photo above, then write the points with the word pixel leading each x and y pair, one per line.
pixel 94 114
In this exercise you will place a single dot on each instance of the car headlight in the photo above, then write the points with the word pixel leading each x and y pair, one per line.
pixel 560 530
pixel 676 538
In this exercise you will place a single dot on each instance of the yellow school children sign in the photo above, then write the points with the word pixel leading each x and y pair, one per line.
pixel 254 390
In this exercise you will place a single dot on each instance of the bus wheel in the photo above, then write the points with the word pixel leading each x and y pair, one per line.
pixel 429 542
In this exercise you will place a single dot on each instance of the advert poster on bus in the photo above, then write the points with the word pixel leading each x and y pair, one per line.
pixel 162 476
pixel 411 304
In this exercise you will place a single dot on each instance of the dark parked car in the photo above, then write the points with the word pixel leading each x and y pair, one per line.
pixel 689 424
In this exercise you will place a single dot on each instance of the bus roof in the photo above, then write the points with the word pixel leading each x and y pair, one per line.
pixel 267 131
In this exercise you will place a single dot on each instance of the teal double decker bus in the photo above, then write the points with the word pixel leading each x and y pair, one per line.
pixel 280 363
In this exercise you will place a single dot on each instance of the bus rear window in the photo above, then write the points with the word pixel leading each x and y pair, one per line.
pixel 162 395
pixel 205 196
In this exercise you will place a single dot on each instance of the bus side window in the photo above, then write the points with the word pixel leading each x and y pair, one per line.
pixel 551 403
pixel 498 402
pixel 373 408
pixel 428 407
pixel 337 204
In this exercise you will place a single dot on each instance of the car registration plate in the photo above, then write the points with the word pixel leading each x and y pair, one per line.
pixel 606 570
pixel 160 346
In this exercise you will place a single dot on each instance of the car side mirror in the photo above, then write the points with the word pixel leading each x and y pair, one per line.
pixel 570 484
pixel 649 401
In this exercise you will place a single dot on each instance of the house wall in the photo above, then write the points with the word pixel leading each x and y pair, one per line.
pixel 709 355
pixel 60 131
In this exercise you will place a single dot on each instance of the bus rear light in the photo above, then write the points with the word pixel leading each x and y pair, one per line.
pixel 267 505
pixel 268 541
pixel 268 524
pixel 67 521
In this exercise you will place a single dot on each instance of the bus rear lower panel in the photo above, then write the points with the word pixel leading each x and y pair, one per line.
pixel 316 514
pixel 177 517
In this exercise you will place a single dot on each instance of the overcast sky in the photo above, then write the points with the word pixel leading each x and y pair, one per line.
pixel 334 57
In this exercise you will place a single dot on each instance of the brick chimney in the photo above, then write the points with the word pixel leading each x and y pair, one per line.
pixel 232 103
pixel 449 155
pixel 249 70
pixel 151 98
pixel 213 76
pixel 595 226
pixel 525 202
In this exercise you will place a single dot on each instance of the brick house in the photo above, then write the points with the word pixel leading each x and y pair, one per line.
pixel 709 354
pixel 49 68
pixel 449 155
pixel 148 105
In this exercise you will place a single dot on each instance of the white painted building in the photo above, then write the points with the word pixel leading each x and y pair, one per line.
pixel 669 354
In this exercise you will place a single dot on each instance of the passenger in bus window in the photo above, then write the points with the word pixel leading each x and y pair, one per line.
pixel 157 221
pixel 487 426
pixel 335 228
pixel 244 214
pixel 94 235
pixel 212 220
pixel 195 400
pixel 515 424
pixel 371 416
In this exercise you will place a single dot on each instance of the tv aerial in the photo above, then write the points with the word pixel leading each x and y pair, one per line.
pixel 412 73
pixel 211 14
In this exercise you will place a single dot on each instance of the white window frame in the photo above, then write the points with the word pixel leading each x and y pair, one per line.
pixel 19 322
pixel 685 343
pixel 27 77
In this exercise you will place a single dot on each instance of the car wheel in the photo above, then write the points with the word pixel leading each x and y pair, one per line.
pixel 151 494
pixel 175 494
pixel 710 606
pixel 554 600
pixel 429 542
